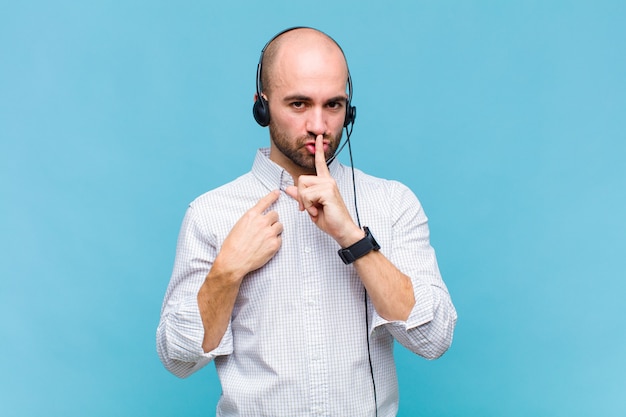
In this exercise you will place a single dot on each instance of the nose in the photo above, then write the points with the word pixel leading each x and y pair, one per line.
pixel 316 122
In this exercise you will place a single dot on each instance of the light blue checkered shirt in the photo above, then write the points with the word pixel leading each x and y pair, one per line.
pixel 297 343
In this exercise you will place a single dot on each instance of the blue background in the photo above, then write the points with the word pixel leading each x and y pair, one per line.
pixel 505 118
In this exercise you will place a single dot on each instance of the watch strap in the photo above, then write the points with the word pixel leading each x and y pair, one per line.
pixel 359 249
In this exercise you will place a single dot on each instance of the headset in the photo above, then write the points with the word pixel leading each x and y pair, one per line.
pixel 261 113
pixel 261 110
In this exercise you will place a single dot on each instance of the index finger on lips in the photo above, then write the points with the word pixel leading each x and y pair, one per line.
pixel 320 158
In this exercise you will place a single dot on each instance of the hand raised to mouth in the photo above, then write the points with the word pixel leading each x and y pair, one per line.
pixel 319 196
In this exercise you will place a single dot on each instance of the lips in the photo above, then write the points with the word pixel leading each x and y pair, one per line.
pixel 310 146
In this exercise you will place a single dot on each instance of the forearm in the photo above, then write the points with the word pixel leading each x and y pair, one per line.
pixel 216 300
pixel 390 290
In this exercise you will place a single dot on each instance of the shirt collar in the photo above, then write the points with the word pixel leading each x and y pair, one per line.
pixel 274 176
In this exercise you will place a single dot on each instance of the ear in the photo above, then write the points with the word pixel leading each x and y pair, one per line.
pixel 256 96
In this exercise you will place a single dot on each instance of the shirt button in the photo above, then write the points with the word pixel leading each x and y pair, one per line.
pixel 307 249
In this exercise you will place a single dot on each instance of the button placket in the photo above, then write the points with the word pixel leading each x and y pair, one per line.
pixel 314 318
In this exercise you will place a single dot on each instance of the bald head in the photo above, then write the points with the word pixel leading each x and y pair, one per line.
pixel 295 47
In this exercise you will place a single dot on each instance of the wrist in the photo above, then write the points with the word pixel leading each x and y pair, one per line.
pixel 227 273
pixel 351 237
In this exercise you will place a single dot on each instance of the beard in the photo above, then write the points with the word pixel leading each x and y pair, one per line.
pixel 294 148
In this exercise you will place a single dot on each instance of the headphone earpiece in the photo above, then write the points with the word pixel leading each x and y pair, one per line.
pixel 350 115
pixel 261 111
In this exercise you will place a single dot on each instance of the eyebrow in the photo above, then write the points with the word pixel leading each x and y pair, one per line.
pixel 299 97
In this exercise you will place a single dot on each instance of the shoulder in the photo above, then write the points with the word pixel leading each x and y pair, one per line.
pixel 222 206
pixel 217 210
pixel 225 194
pixel 381 199
pixel 387 188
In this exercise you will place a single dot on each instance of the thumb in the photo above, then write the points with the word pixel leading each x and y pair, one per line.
pixel 292 191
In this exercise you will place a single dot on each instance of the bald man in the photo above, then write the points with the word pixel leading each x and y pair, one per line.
pixel 275 281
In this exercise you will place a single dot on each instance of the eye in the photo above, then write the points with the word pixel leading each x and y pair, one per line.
pixel 334 105
pixel 297 104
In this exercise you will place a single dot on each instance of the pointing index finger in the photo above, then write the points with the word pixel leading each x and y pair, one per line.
pixel 265 202
pixel 320 158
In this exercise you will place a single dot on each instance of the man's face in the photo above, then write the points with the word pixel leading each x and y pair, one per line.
pixel 307 98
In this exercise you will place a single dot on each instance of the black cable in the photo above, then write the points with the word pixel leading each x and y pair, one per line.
pixel 369 354
pixel 358 219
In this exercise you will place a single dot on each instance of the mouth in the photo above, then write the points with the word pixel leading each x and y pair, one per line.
pixel 310 146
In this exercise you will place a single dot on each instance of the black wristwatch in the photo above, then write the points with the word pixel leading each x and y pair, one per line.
pixel 359 249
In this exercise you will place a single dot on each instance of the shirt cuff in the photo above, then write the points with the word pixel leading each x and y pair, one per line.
pixel 185 334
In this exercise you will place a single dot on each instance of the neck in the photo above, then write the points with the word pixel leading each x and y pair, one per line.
pixel 288 165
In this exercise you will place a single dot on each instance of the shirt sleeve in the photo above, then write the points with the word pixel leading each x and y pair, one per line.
pixel 428 331
pixel 180 331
